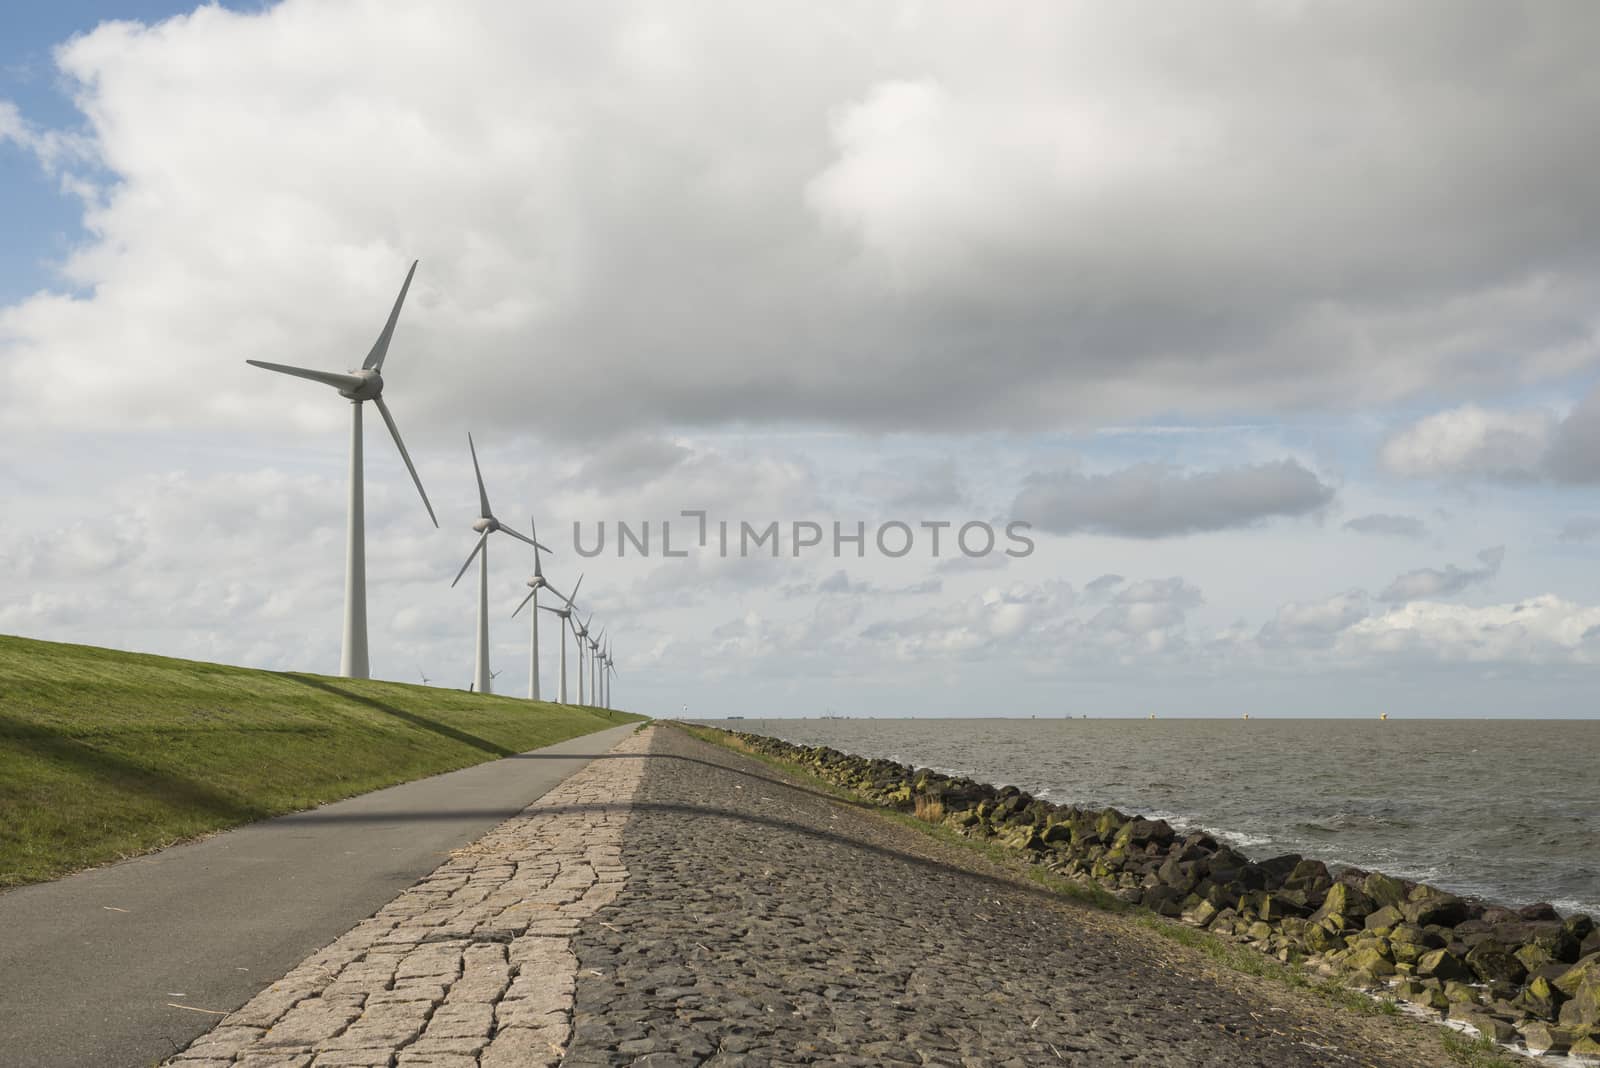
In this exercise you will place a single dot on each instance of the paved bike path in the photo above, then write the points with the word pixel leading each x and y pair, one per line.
pixel 93 965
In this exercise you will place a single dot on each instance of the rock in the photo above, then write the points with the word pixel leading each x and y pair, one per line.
pixel 1201 915
pixel 1279 868
pixel 1370 960
pixel 1384 919
pixel 1460 992
pixel 1444 965
pixel 1582 1012
pixel 1538 999
pixel 1384 889
pixel 1429 906
pixel 1581 926
pixel 1585 972
pixel 1345 901
pixel 1491 1027
pixel 1540 911
pixel 1586 1050
pixel 1493 963
pixel 1307 874
pixel 1319 939
pixel 1429 997
pixel 1542 1038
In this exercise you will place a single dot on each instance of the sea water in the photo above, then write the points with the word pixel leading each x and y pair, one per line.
pixel 1505 810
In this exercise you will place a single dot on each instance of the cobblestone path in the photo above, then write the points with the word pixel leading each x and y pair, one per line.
pixel 470 968
pixel 764 924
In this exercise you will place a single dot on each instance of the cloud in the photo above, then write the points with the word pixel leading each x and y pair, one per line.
pixel 1397 526
pixel 1103 585
pixel 1580 528
pixel 1540 630
pixel 1471 441
pixel 628 462
pixel 952 220
pixel 1157 501
pixel 1314 623
pixel 1508 446
pixel 1428 583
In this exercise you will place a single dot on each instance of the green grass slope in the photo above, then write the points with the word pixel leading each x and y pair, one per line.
pixel 105 754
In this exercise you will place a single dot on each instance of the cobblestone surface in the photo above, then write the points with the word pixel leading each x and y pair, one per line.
pixel 766 924
pixel 470 968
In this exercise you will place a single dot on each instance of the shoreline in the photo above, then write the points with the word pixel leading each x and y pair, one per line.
pixel 1528 975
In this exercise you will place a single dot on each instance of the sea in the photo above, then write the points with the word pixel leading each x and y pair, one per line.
pixel 1503 810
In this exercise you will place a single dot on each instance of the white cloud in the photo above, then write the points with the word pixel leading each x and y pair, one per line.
pixel 1397 526
pixel 1540 630
pixel 1471 441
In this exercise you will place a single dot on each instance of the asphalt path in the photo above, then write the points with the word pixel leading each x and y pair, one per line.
pixel 94 967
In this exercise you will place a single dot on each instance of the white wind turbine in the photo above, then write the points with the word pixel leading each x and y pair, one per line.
pixel 485 524
pixel 611 669
pixel 565 613
pixel 358 386
pixel 594 668
pixel 537 582
pixel 580 631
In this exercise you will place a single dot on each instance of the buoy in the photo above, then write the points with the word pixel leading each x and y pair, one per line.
pixel 1383 715
pixel 1247 715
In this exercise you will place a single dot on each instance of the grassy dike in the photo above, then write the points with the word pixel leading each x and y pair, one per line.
pixel 107 754
pixel 1470 1051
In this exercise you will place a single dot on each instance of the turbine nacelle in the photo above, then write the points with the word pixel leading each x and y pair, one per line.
pixel 369 388
pixel 486 524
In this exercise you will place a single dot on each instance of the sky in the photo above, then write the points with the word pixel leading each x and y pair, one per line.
pixel 1263 336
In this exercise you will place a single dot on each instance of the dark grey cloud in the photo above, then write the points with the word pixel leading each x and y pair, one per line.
pixel 890 238
pixel 1158 501
pixel 1429 583
pixel 1396 526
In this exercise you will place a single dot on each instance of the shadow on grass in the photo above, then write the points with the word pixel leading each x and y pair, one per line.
pixel 118 771
pixel 410 717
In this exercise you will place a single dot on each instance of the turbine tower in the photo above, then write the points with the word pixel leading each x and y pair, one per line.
pixel 580 631
pixel 359 386
pixel 538 583
pixel 611 669
pixel 565 613
pixel 594 668
pixel 485 525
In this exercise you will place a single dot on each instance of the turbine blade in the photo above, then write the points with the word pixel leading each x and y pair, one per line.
pixel 575 590
pixel 483 494
pixel 380 348
pixel 533 531
pixel 394 432
pixel 524 603
pixel 476 549
pixel 524 537
pixel 547 608
pixel 327 378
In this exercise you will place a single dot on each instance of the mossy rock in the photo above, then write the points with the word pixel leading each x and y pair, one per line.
pixel 1582 1012
pixel 1319 939
pixel 1584 973
pixel 1538 999
pixel 1587 1047
pixel 1385 919
pixel 1370 960
pixel 1384 889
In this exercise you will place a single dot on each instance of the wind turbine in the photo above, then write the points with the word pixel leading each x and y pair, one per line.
pixel 581 632
pixel 594 667
pixel 485 524
pixel 611 669
pixel 358 386
pixel 537 582
pixel 565 613
pixel 424 675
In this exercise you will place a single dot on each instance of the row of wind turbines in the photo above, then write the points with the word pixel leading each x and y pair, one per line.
pixel 596 664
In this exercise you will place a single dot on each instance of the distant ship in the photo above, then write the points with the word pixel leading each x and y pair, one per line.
pixel 1247 715
pixel 736 717
pixel 1383 715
